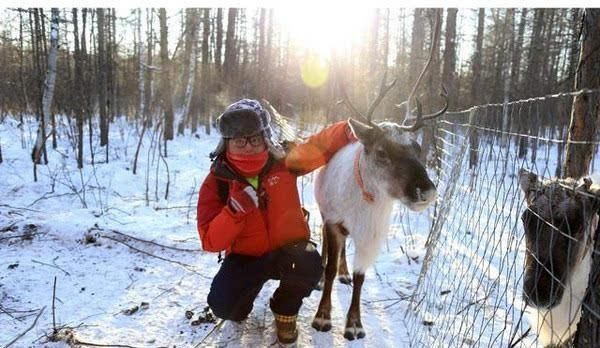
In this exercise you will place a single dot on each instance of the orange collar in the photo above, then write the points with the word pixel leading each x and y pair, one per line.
pixel 367 196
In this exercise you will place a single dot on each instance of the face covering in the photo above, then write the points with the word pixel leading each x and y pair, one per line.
pixel 248 165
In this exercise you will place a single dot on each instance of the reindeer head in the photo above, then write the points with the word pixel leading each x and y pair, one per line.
pixel 392 159
pixel 559 217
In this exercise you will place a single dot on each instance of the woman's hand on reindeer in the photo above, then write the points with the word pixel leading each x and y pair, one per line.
pixel 242 198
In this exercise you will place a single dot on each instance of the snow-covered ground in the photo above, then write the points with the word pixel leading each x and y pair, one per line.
pixel 115 244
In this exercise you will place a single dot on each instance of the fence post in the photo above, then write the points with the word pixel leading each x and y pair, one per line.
pixel 473 140
pixel 588 329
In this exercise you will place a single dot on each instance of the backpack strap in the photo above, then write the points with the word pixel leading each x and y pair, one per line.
pixel 223 190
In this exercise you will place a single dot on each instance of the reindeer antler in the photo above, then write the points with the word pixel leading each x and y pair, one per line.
pixel 383 90
pixel 420 119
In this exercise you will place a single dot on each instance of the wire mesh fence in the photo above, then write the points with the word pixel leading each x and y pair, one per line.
pixel 508 256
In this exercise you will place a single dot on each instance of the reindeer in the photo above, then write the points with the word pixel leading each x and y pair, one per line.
pixel 356 191
pixel 560 223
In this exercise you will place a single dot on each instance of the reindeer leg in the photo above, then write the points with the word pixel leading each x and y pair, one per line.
pixel 321 283
pixel 343 274
pixel 335 239
pixel 354 328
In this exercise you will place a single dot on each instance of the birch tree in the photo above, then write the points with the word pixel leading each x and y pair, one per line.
pixel 192 37
pixel 48 93
pixel 205 71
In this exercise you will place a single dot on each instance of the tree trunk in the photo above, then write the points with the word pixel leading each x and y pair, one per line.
pixel 574 49
pixel 585 111
pixel 219 41
pixel 21 68
pixel 37 60
pixel 550 52
pixel 499 55
pixel 204 108
pixel 416 46
pixel 167 103
pixel 475 84
pixel 140 49
pixel 262 54
pixel 516 57
pixel 401 53
pixel 534 58
pixel 48 90
pixel 449 72
pixel 101 80
pixel 87 73
pixel 148 87
pixel 192 39
pixel 116 105
pixel 475 91
pixel 432 86
pixel 506 73
pixel 230 52
pixel 77 81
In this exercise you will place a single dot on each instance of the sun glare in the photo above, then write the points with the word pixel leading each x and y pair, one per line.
pixel 323 30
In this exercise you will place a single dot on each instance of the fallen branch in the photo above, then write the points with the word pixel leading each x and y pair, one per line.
pixel 49 265
pixel 20 208
pixel 76 341
pixel 184 265
pixel 53 196
pixel 26 331
pixel 10 227
pixel 54 307
pixel 151 242
pixel 6 312
pixel 22 236
pixel 174 207
pixel 217 327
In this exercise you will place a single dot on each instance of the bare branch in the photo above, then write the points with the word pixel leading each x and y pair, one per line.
pixel 28 329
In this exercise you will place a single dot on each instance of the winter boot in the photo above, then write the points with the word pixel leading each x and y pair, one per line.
pixel 287 334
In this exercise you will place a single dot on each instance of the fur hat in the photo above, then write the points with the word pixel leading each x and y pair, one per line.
pixel 245 118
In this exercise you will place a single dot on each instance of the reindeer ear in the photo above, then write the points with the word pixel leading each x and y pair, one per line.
pixel 366 134
pixel 528 181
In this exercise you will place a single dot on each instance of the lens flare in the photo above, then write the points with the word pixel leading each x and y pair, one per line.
pixel 314 71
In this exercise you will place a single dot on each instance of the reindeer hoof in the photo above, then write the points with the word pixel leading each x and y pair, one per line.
pixel 354 332
pixel 322 324
pixel 345 279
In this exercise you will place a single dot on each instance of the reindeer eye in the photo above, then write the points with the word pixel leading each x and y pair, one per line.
pixel 381 154
pixel 416 146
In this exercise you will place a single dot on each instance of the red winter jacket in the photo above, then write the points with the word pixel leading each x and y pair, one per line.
pixel 279 220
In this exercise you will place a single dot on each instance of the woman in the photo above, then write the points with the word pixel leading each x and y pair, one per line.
pixel 249 207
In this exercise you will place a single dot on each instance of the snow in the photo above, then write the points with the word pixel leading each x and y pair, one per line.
pixel 97 281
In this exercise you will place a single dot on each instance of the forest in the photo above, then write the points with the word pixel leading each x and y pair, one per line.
pixel 108 117
pixel 181 68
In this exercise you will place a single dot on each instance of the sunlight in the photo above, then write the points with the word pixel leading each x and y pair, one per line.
pixel 324 30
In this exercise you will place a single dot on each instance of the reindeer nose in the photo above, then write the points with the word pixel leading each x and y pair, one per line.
pixel 427 195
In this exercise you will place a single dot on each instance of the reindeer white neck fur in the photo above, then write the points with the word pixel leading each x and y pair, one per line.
pixel 340 201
